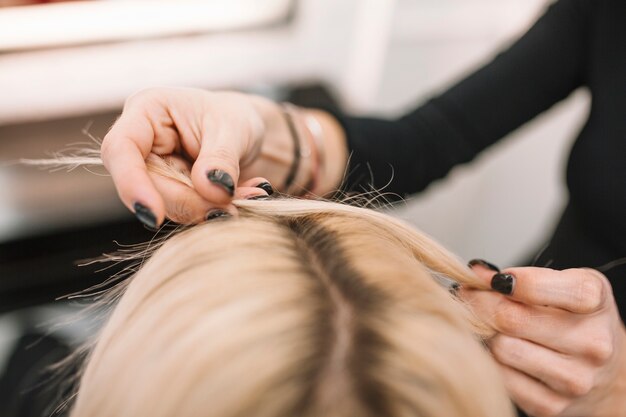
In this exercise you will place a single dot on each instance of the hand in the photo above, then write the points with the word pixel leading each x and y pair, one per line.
pixel 561 345
pixel 231 145
pixel 186 127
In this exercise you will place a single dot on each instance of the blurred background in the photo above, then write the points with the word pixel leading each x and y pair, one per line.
pixel 66 68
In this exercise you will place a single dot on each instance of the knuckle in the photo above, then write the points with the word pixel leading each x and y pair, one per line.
pixel 590 294
pixel 224 153
pixel 601 349
pixel 105 147
pixel 225 158
pixel 509 318
pixel 139 96
pixel 498 344
pixel 579 385
pixel 505 349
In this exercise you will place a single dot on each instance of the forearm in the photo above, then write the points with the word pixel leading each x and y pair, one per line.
pixel 405 155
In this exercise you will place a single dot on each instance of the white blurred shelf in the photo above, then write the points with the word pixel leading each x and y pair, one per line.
pixel 189 43
pixel 88 22
pixel 445 20
pixel 341 42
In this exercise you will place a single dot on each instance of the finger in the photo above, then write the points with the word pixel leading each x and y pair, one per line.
pixel 482 265
pixel 553 328
pixel 532 396
pixel 143 127
pixel 216 170
pixel 581 291
pixel 254 189
pixel 577 290
pixel 557 371
pixel 250 193
pixel 123 153
pixel 259 182
pixel 184 205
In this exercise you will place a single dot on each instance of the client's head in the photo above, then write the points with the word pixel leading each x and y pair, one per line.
pixel 295 308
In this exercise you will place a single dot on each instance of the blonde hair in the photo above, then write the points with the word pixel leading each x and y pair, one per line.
pixel 296 308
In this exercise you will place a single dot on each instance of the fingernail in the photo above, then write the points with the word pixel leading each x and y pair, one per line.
pixel 503 283
pixel 454 288
pixel 222 179
pixel 483 263
pixel 259 197
pixel 145 215
pixel 267 187
pixel 216 214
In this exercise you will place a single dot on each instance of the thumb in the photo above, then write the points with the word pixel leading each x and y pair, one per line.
pixel 215 172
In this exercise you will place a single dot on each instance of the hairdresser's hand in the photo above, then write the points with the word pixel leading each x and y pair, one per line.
pixel 561 344
pixel 229 144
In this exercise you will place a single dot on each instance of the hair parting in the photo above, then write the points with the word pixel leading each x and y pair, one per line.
pixel 292 308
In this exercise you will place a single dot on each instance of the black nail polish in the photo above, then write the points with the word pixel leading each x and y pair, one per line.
pixel 454 288
pixel 503 283
pixel 483 263
pixel 267 187
pixel 145 215
pixel 259 197
pixel 222 179
pixel 216 214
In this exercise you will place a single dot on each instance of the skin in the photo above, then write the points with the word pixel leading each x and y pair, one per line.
pixel 201 131
pixel 561 344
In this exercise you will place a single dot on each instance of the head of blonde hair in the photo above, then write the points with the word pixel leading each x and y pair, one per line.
pixel 294 308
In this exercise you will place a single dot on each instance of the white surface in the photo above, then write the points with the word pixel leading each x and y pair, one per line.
pixel 461 19
pixel 64 82
pixel 93 79
pixel 60 24
pixel 366 58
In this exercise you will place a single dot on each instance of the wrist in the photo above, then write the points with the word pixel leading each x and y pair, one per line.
pixel 315 129
pixel 270 114
pixel 277 146
pixel 333 150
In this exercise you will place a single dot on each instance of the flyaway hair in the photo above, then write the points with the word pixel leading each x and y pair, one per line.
pixel 294 308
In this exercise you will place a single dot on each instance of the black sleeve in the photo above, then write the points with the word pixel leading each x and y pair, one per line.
pixel 538 70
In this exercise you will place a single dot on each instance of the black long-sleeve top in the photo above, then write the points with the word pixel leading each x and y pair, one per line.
pixel 575 43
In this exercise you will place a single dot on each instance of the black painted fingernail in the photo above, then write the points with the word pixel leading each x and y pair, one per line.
pixel 454 288
pixel 259 197
pixel 267 187
pixel 222 179
pixel 483 263
pixel 216 214
pixel 145 215
pixel 503 283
